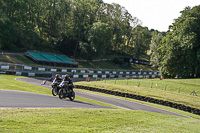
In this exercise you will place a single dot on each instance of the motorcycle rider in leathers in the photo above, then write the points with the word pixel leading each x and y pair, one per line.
pixel 57 79
pixel 68 81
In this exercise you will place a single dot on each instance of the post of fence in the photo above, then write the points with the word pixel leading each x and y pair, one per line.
pixel 165 87
pixel 115 80
pixel 139 84
pixel 125 94
pixel 151 84
pixel 179 90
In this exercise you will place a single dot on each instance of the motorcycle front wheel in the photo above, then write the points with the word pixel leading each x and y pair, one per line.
pixel 61 94
pixel 54 91
pixel 72 96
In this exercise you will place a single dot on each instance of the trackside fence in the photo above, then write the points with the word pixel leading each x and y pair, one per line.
pixel 19 69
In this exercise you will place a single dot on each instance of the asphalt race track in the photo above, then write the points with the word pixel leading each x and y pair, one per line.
pixel 16 99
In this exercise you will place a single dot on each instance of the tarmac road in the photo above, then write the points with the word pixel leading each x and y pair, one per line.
pixel 18 99
pixel 14 99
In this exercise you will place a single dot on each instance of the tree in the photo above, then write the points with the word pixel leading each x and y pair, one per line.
pixel 69 26
pixel 121 23
pixel 142 39
pixel 181 46
pixel 155 48
pixel 8 33
pixel 99 37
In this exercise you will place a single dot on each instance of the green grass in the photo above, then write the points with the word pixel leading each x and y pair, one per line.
pixel 86 120
pixel 110 65
pixel 93 120
pixel 158 89
pixel 17 59
pixel 8 82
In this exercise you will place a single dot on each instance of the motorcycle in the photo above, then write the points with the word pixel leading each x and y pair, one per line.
pixel 55 88
pixel 66 91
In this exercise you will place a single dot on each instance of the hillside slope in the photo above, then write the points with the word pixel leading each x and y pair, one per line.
pixel 21 59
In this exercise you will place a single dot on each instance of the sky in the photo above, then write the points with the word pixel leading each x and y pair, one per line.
pixel 155 14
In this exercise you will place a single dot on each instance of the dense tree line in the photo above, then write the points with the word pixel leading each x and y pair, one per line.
pixel 92 28
pixel 178 53
pixel 87 28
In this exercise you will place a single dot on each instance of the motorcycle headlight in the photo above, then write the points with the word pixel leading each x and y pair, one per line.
pixel 62 84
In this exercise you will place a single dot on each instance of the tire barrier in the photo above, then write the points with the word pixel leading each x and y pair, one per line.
pixel 10 73
pixel 143 98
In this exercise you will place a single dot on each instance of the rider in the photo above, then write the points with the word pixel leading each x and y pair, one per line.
pixel 68 81
pixel 57 79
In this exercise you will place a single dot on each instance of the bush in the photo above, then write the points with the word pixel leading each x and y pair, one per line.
pixel 117 61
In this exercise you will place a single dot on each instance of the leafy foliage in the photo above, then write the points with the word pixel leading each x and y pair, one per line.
pixel 99 36
pixel 179 50
pixel 155 52
pixel 142 40
pixel 8 34
pixel 75 28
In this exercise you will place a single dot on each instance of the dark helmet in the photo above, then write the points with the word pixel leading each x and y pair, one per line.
pixel 57 76
pixel 67 76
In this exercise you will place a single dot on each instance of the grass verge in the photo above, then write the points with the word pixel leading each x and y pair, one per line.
pixel 109 65
pixel 85 120
pixel 93 120
pixel 17 59
pixel 144 89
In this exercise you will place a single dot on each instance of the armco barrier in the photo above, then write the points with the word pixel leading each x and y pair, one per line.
pixel 143 98
pixel 92 76
pixel 29 74
pixel 104 73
